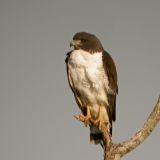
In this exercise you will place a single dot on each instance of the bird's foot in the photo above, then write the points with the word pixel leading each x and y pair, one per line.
pixel 102 125
pixel 99 123
pixel 87 120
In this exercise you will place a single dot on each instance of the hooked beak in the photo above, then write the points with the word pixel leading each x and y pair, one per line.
pixel 75 43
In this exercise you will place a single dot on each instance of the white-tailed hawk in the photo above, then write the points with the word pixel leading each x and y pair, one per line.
pixel 92 77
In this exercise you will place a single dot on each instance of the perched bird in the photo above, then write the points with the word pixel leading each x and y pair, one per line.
pixel 92 77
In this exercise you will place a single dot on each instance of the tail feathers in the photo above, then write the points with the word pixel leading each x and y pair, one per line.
pixel 97 139
pixel 96 136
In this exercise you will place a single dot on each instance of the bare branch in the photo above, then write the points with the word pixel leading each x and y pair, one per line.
pixel 114 151
pixel 143 133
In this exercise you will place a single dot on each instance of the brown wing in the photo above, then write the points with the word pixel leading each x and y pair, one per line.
pixel 76 93
pixel 110 70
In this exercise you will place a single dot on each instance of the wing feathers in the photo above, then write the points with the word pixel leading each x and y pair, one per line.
pixel 110 70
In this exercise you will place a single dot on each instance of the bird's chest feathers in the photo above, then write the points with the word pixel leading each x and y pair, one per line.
pixel 86 69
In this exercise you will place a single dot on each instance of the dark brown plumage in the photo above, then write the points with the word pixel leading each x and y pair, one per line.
pixel 110 70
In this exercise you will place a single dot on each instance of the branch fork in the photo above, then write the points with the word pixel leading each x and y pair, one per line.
pixel 113 151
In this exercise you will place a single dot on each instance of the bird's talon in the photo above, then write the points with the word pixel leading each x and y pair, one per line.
pixel 85 119
pixel 76 117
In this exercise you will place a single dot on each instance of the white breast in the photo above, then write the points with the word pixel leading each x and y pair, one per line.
pixel 87 75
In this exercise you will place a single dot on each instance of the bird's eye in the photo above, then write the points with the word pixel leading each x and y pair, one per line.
pixel 83 40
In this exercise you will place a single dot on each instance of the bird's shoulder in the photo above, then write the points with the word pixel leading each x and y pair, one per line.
pixel 67 56
pixel 110 70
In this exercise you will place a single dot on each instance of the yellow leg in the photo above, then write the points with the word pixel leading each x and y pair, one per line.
pixel 99 121
pixel 86 119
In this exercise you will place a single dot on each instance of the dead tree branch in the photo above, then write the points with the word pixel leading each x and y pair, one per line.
pixel 114 151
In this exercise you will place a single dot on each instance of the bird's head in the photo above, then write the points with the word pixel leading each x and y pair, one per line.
pixel 87 42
